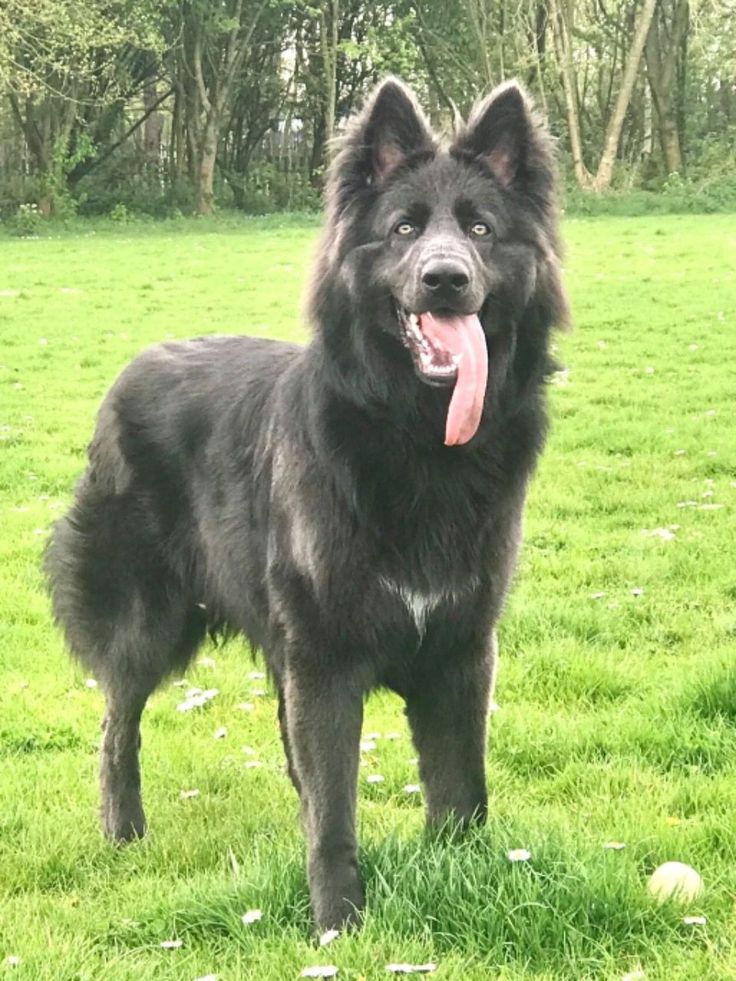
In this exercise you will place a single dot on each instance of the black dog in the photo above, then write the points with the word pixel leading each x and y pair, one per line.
pixel 353 507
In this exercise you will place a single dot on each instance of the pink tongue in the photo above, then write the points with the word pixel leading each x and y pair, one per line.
pixel 463 338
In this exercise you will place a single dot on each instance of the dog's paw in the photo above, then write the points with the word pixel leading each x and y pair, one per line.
pixel 123 825
pixel 338 909
pixel 342 916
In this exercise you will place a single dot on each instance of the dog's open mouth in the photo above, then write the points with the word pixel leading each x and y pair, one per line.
pixel 450 349
pixel 434 364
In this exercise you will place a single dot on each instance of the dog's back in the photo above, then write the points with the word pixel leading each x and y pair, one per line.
pixel 128 565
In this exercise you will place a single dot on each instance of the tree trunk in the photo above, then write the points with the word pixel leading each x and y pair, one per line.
pixel 647 143
pixel 45 204
pixel 37 146
pixel 47 126
pixel 152 127
pixel 318 149
pixel 669 137
pixel 476 12
pixel 661 68
pixel 604 174
pixel 329 32
pixel 192 131
pixel 177 145
pixel 562 29
pixel 537 32
pixel 213 92
pixel 206 168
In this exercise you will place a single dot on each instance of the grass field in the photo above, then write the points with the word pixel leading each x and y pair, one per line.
pixel 617 688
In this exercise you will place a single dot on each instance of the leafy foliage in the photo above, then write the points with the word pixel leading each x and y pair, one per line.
pixel 237 101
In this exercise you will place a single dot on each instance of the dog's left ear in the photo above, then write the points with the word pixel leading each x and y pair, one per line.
pixel 503 132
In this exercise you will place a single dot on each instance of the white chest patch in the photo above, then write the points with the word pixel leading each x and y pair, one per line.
pixel 420 604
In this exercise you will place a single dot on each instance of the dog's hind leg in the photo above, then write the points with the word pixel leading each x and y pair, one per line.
pixel 165 643
pixel 128 682
pixel 121 809
pixel 130 620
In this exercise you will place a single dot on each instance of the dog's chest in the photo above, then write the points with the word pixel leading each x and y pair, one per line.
pixel 420 604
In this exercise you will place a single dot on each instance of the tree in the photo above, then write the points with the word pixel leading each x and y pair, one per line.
pixel 215 41
pixel 602 179
pixel 257 100
pixel 562 26
pixel 662 51
pixel 565 32
pixel 58 60
pixel 257 88
pixel 329 36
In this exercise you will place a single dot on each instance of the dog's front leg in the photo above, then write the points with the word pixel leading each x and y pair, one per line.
pixel 448 712
pixel 324 718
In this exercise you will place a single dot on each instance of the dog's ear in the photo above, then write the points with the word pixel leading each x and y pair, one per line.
pixel 389 132
pixel 393 129
pixel 504 133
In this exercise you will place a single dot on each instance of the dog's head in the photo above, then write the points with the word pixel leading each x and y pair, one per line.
pixel 441 253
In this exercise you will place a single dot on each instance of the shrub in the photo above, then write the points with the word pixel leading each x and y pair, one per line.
pixel 120 214
pixel 265 188
pixel 26 222
pixel 675 195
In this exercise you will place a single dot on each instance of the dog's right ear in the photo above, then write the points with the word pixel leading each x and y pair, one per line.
pixel 392 128
pixel 389 132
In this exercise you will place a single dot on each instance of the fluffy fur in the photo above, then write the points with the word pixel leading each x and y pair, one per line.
pixel 303 496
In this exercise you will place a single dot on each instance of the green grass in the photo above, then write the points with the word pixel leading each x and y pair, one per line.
pixel 618 714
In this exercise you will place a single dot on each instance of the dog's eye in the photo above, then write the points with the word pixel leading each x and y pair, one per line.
pixel 404 228
pixel 479 229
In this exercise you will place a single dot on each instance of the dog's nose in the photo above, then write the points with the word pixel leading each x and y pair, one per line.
pixel 445 277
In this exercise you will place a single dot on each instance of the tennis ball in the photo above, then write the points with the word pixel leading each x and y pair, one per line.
pixel 675 880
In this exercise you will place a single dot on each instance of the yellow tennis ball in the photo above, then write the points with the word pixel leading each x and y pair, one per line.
pixel 675 880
